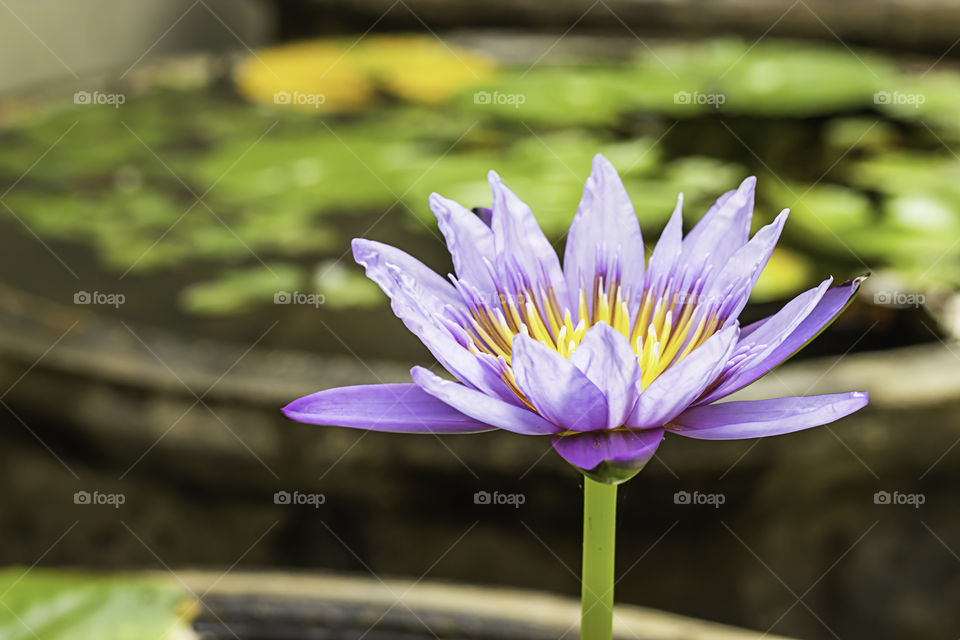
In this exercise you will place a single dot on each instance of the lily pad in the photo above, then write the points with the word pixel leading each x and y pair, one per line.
pixel 344 286
pixel 786 274
pixel 799 79
pixel 553 95
pixel 848 134
pixel 66 605
pixel 342 75
pixel 822 212
pixel 239 289
pixel 930 98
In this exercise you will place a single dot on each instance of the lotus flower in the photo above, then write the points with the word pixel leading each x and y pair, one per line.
pixel 603 355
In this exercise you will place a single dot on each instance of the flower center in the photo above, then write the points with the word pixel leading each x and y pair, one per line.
pixel 663 325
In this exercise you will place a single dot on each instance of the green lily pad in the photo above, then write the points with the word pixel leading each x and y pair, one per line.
pixel 67 605
pixel 848 134
pixel 786 274
pixel 552 95
pixel 823 212
pixel 799 79
pixel 923 213
pixel 346 287
pixel 928 97
pixel 766 78
pixel 240 289
pixel 899 172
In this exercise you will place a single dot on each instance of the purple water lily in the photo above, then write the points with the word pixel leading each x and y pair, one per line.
pixel 604 354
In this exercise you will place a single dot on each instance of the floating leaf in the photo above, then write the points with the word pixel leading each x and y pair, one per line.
pixel 346 287
pixel 848 134
pixel 239 289
pixel 926 97
pixel 343 75
pixel 552 95
pixel 900 172
pixel 309 76
pixel 67 605
pixel 792 78
pixel 824 211
pixel 421 68
pixel 923 213
pixel 786 273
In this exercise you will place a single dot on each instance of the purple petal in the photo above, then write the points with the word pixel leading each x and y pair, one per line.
pixel 395 271
pixel 604 238
pixel 683 382
pixel 668 248
pixel 398 408
pixel 831 305
pixel 419 297
pixel 481 407
pixel 727 293
pixel 469 241
pixel 723 229
pixel 560 392
pixel 523 252
pixel 614 456
pixel 606 358
pixel 774 329
pixel 761 418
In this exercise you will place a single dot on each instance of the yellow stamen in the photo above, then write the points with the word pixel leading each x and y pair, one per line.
pixel 662 330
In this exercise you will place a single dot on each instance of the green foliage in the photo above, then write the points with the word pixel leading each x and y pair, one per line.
pixel 786 273
pixel 65 605
pixel 345 287
pixel 178 177
pixel 240 289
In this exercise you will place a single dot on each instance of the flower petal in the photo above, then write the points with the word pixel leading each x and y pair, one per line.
pixel 419 297
pixel 607 359
pixel 723 229
pixel 726 294
pixel 469 241
pixel 609 456
pixel 560 392
pixel 395 271
pixel 524 255
pixel 761 418
pixel 808 327
pixel 604 238
pixel 398 408
pixel 676 388
pixel 481 407
pixel 668 248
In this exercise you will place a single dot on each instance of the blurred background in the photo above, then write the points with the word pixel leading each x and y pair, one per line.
pixel 179 184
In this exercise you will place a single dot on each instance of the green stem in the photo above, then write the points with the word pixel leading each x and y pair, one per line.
pixel 599 536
